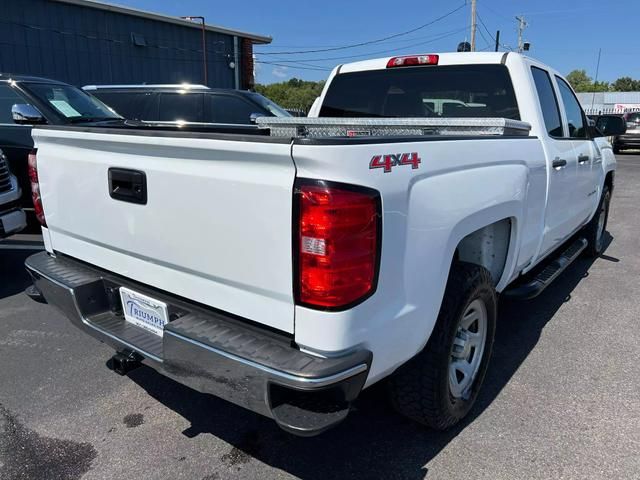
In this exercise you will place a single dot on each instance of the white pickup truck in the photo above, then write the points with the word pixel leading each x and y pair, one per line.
pixel 286 271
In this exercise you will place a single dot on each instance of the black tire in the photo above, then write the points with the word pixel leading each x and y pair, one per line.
pixel 592 231
pixel 616 149
pixel 420 388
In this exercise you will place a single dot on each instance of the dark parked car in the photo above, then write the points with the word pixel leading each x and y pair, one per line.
pixel 12 218
pixel 26 101
pixel 186 105
pixel 631 139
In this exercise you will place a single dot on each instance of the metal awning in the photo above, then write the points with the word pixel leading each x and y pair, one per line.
pixel 258 39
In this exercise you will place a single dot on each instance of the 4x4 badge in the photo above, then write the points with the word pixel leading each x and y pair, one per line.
pixel 387 162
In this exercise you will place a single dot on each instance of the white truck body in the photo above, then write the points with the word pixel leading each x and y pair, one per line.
pixel 217 226
pixel 210 235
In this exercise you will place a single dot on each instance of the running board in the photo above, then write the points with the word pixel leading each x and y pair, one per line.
pixel 534 286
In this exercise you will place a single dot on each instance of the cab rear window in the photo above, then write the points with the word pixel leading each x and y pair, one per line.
pixel 433 91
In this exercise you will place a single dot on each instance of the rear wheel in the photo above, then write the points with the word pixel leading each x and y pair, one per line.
pixel 439 386
pixel 597 227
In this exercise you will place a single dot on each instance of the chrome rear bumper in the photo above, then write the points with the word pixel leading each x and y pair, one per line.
pixel 208 350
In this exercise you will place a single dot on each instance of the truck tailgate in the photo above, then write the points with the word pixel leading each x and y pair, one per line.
pixel 216 226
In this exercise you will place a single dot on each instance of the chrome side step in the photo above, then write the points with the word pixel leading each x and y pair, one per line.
pixel 535 285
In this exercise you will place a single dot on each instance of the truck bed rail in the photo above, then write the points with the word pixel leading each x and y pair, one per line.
pixel 384 127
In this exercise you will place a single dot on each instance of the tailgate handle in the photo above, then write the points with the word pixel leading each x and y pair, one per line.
pixel 128 185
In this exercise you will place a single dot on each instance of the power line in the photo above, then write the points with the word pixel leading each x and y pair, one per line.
pixel 485 27
pixel 503 45
pixel 370 42
pixel 487 43
pixel 369 54
pixel 320 69
pixel 392 42
pixel 295 62
pixel 496 12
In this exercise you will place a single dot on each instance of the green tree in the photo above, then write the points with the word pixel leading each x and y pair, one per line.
pixel 293 93
pixel 600 87
pixel 580 81
pixel 626 84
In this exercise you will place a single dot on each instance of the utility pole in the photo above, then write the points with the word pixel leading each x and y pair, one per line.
pixel 522 24
pixel 473 25
pixel 498 40
pixel 204 43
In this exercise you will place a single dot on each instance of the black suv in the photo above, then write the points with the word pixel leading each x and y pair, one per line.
pixel 26 101
pixel 188 105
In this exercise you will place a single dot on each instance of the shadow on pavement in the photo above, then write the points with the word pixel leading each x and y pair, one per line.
pixel 13 276
pixel 374 442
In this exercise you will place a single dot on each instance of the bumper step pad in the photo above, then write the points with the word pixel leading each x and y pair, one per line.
pixel 209 350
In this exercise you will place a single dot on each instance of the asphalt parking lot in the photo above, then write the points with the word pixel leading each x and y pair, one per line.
pixel 561 399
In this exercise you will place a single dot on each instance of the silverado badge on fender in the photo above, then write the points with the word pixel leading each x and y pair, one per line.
pixel 387 162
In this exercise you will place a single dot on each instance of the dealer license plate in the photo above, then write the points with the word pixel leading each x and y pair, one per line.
pixel 144 311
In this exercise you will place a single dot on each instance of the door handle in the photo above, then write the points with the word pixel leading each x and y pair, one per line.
pixel 559 163
pixel 128 185
pixel 583 158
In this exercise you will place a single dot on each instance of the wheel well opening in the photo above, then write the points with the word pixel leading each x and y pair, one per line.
pixel 487 247
pixel 608 181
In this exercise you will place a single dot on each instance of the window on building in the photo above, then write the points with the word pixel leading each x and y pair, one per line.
pixel 138 40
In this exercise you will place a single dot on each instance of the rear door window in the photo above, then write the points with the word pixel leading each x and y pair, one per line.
pixel 185 107
pixel 426 91
pixel 131 105
pixel 548 102
pixel 232 109
pixel 575 117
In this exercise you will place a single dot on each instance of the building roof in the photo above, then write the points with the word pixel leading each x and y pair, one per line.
pixel 607 101
pixel 609 97
pixel 259 39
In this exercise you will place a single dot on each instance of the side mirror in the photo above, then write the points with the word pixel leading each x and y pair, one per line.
pixel 26 114
pixel 255 116
pixel 610 126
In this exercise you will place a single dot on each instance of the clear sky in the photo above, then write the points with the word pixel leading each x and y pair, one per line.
pixel 565 35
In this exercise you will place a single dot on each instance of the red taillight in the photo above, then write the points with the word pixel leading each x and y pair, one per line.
pixel 35 187
pixel 338 243
pixel 413 60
